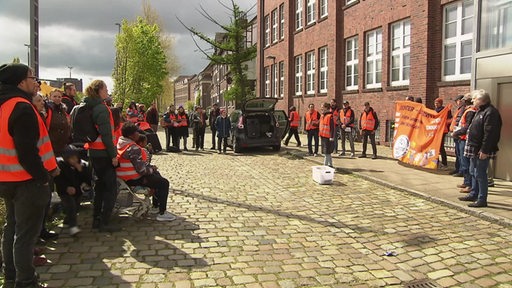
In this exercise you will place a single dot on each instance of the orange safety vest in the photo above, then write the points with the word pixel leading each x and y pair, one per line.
pixel 346 117
pixel 98 143
pixel 10 167
pixel 294 119
pixel 454 123
pixel 325 126
pixel 184 122
pixel 367 121
pixel 463 121
pixel 126 170
pixel 310 117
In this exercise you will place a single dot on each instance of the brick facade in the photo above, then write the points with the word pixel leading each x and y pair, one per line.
pixel 356 19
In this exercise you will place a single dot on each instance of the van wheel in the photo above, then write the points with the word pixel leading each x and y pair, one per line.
pixel 236 146
pixel 276 147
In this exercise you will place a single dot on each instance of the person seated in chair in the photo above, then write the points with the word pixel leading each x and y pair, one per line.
pixel 136 171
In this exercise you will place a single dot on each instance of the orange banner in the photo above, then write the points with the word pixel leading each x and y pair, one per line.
pixel 418 133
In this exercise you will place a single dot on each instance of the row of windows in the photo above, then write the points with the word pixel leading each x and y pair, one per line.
pixel 274 26
pixel 311 12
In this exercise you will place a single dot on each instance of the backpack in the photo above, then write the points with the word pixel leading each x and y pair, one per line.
pixel 82 126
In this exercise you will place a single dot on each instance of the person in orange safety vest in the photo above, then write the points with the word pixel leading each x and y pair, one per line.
pixel 327 133
pixel 368 123
pixel 26 164
pixel 294 119
pixel 312 124
pixel 347 126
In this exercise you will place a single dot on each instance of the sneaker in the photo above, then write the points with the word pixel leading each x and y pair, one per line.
pixel 465 190
pixel 458 175
pixel 285 144
pixel 73 231
pixel 39 261
pixel 374 157
pixel 352 155
pixel 477 204
pixel 165 217
pixel 47 235
pixel 154 210
pixel 213 148
pixel 490 183
pixel 298 145
pixel 220 152
pixel 467 198
pixel 315 155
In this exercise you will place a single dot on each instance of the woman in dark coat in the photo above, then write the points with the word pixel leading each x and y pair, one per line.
pixel 57 122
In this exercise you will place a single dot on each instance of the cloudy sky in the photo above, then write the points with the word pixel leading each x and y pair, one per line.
pixel 81 34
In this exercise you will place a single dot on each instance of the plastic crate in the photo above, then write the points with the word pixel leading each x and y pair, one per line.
pixel 323 174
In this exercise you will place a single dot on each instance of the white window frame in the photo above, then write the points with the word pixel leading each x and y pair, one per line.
pixel 310 73
pixel 311 12
pixel 403 50
pixel 324 66
pixel 324 8
pixel 349 1
pixel 275 26
pixel 274 81
pixel 281 79
pixel 267 31
pixel 352 47
pixel 298 75
pixel 281 21
pixel 298 14
pixel 267 81
pixel 373 53
pixel 457 40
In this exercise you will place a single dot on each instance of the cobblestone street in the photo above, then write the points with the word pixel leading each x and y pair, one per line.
pixel 258 220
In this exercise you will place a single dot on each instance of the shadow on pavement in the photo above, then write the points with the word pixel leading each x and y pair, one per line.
pixel 323 222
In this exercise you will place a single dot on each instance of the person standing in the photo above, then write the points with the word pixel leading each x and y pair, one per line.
pixel 294 119
pixel 336 117
pixel 368 123
pixel 68 98
pixel 103 157
pixel 347 124
pixel 223 125
pixel 438 103
pixel 26 164
pixel 312 126
pixel 152 117
pixel 214 113
pixel 199 122
pixel 57 122
pixel 327 133
pixel 481 145
pixel 460 134
pixel 461 107
pixel 182 121
pixel 169 124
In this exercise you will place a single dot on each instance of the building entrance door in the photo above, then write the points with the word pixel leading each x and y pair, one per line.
pixel 504 105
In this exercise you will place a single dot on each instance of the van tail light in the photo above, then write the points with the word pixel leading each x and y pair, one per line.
pixel 241 123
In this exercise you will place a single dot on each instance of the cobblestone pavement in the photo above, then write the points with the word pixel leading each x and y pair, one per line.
pixel 258 220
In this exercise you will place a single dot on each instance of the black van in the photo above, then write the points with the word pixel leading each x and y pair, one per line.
pixel 258 124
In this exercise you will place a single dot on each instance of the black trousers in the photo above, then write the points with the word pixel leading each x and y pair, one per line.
pixel 371 135
pixel 222 141
pixel 161 186
pixel 199 137
pixel 214 140
pixel 442 152
pixel 170 138
pixel 312 135
pixel 25 203
pixel 295 132
pixel 71 205
pixel 105 188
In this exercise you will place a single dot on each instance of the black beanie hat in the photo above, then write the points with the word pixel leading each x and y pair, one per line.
pixel 13 74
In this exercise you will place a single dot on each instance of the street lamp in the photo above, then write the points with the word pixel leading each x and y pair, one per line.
pixel 70 68
pixel 118 27
pixel 28 54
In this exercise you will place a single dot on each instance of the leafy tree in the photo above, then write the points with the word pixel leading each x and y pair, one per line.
pixel 231 50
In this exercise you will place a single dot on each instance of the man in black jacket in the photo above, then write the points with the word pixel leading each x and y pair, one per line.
pixel 482 145
pixel 214 113
pixel 25 200
pixel 68 98
pixel 347 124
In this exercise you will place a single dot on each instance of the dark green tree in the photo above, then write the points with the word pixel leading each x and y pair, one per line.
pixel 231 50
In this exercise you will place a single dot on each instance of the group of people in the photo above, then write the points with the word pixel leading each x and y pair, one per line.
pixel 332 123
pixel 37 157
pixel 177 123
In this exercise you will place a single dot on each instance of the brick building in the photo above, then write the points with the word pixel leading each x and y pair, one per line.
pixel 310 51
pixel 182 89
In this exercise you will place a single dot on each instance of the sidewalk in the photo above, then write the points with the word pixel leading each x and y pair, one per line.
pixel 436 186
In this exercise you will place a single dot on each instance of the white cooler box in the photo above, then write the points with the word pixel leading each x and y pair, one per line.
pixel 323 174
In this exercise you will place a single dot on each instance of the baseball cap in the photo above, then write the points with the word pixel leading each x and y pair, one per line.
pixel 345 102
pixel 460 97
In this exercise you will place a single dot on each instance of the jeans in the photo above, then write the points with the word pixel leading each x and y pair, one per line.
pixel 214 134
pixel 328 159
pixel 464 164
pixel 70 204
pixel 344 135
pixel 312 135
pixel 222 141
pixel 458 155
pixel 25 203
pixel 370 134
pixel 336 133
pixel 161 186
pixel 295 132
pixel 105 188
pixel 478 170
